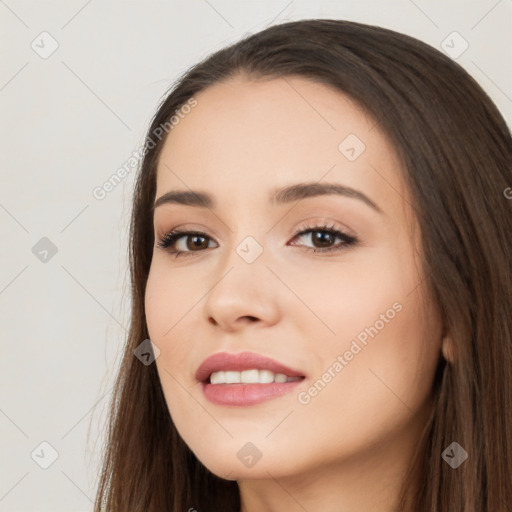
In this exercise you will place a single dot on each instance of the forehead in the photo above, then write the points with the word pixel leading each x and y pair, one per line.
pixel 245 137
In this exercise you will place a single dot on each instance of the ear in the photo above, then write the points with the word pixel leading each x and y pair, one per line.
pixel 448 347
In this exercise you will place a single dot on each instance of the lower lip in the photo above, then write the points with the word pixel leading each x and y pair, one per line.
pixel 246 394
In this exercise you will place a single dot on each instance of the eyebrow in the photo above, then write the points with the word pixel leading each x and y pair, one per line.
pixel 278 196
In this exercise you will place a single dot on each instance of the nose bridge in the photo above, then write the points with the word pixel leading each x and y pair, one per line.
pixel 242 286
pixel 244 261
pixel 248 237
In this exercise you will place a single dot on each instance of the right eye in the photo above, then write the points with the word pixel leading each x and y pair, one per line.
pixel 170 241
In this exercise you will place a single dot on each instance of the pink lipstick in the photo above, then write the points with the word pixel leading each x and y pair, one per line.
pixel 245 378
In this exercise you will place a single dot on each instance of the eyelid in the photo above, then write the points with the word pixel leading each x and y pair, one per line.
pixel 306 224
pixel 316 222
pixel 185 226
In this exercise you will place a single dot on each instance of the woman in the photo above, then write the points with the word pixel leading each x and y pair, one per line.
pixel 320 256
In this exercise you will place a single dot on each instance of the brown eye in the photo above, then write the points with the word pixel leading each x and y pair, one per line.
pixel 323 238
pixel 197 242
pixel 193 242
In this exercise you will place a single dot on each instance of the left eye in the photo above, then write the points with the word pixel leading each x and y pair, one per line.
pixel 325 237
pixel 196 241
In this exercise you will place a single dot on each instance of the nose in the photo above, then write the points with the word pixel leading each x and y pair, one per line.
pixel 243 294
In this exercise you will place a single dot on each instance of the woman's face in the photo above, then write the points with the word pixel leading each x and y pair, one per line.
pixel 351 320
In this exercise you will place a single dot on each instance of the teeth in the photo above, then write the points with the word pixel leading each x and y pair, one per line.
pixel 266 376
pixel 232 377
pixel 249 377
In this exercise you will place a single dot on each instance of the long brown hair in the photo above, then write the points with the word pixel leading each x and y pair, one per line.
pixel 456 152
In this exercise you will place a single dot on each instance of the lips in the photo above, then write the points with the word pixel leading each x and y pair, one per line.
pixel 223 361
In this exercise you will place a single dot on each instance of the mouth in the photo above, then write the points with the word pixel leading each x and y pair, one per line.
pixel 251 376
pixel 245 378
pixel 244 368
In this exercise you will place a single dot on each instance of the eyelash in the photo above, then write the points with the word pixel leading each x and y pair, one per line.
pixel 173 236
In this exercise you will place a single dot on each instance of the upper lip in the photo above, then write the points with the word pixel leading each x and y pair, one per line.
pixel 223 361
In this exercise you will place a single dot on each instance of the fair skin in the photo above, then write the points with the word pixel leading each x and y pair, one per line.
pixel 348 447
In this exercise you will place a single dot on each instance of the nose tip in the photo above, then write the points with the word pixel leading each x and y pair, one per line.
pixel 244 299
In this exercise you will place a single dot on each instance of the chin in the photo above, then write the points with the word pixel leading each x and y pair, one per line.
pixel 246 462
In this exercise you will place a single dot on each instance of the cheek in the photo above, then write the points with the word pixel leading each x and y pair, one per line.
pixel 169 296
pixel 156 304
pixel 348 296
pixel 366 394
pixel 172 302
pixel 388 345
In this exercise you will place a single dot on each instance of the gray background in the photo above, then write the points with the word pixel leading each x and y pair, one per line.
pixel 69 120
